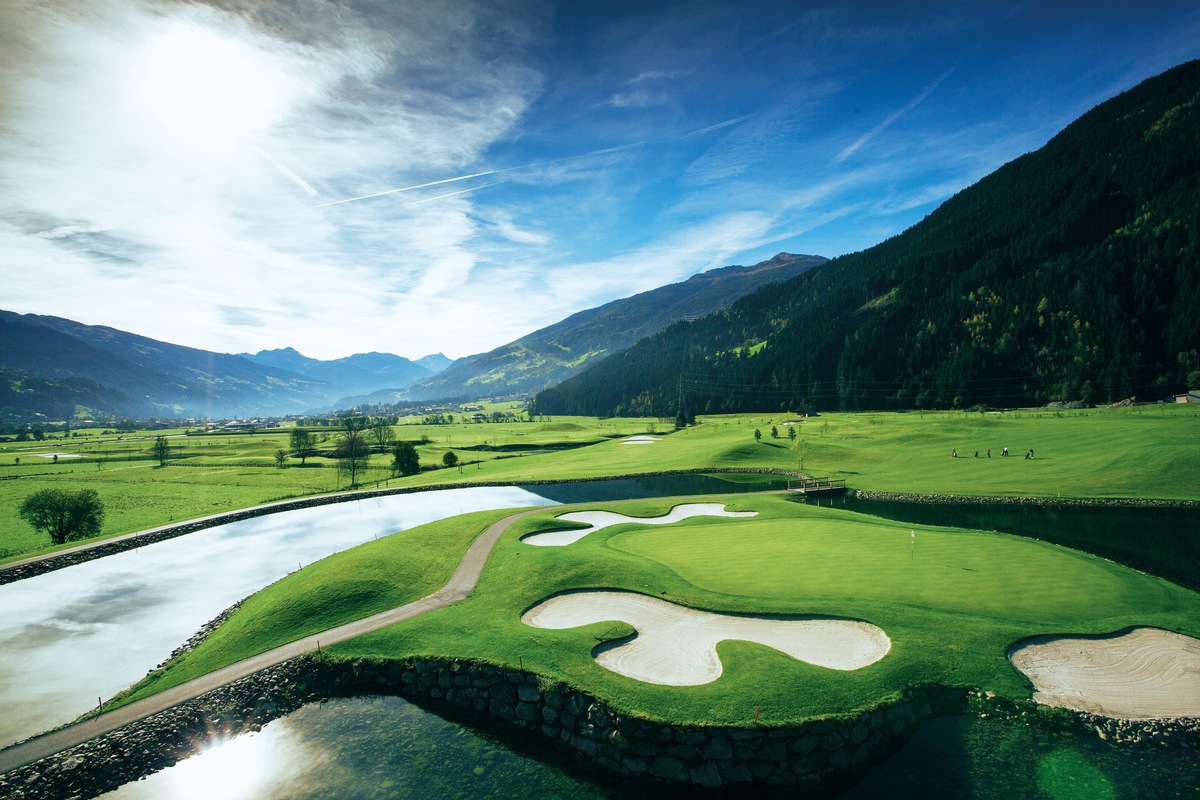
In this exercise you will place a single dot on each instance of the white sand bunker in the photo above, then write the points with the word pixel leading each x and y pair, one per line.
pixel 604 519
pixel 677 646
pixel 1142 673
pixel 640 439
pixel 58 455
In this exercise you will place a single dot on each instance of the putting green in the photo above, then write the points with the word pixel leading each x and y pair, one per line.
pixel 952 602
pixel 832 561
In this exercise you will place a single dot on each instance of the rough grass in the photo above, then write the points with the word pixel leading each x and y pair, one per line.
pixel 210 474
pixel 952 606
pixel 1140 452
pixel 346 586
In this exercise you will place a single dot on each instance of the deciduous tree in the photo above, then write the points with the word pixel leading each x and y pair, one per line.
pixel 352 451
pixel 381 433
pixel 304 444
pixel 405 459
pixel 64 515
pixel 161 450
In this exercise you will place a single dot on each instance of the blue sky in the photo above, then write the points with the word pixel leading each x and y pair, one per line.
pixel 414 177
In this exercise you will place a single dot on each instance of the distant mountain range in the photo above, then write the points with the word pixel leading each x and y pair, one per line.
pixel 561 350
pixel 1069 274
pixel 55 368
pixel 361 373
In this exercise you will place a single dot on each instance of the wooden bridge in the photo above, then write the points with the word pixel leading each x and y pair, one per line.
pixel 818 487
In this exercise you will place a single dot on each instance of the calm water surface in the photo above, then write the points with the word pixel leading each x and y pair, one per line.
pixel 360 748
pixel 70 637
pixel 387 748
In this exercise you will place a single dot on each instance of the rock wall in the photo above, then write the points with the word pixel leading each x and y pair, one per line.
pixel 816 757
pixel 809 758
pixel 1131 502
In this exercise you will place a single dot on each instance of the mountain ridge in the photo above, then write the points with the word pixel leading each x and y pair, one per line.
pixel 553 353
pixel 1071 273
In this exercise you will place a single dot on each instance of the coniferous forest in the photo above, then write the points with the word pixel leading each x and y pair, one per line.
pixel 1070 274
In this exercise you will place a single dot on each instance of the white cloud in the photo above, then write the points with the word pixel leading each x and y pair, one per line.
pixel 160 174
pixel 639 98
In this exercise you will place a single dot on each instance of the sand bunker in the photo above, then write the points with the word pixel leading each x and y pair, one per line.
pixel 1142 673
pixel 677 646
pixel 641 439
pixel 604 519
pixel 58 455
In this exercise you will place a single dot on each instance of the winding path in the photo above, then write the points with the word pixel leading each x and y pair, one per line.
pixel 461 583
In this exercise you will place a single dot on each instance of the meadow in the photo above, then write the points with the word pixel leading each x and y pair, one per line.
pixel 1138 452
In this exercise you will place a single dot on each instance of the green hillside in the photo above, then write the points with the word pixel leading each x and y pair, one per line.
pixel 558 351
pixel 1071 273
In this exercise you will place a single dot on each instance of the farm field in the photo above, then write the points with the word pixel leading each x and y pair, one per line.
pixel 1138 452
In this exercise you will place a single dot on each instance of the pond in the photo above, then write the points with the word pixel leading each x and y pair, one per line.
pixel 71 637
pixel 385 747
pixel 380 747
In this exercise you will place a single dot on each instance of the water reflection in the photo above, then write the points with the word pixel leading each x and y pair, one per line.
pixel 968 757
pixel 70 637
pixel 359 748
pixel 387 748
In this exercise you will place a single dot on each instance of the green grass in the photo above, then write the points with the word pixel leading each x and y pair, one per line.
pixel 951 611
pixel 1140 452
pixel 210 474
pixel 346 586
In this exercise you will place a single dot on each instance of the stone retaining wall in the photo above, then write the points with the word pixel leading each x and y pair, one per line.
pixel 808 758
pixel 818 756
pixel 811 757
pixel 1131 502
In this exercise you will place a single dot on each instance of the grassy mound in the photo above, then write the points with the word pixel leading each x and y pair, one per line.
pixel 346 586
pixel 952 602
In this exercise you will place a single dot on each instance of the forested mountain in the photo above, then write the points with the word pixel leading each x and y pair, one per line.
pixel 60 365
pixel 28 396
pixel 1071 273
pixel 551 354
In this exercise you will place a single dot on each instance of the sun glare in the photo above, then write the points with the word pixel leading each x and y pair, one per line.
pixel 212 91
pixel 234 770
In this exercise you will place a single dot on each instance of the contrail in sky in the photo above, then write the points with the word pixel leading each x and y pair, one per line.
pixel 895 115
pixel 287 173
pixel 599 152
pixel 448 194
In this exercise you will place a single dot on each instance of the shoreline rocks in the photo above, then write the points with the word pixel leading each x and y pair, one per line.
pixel 813 757
pixel 1131 502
